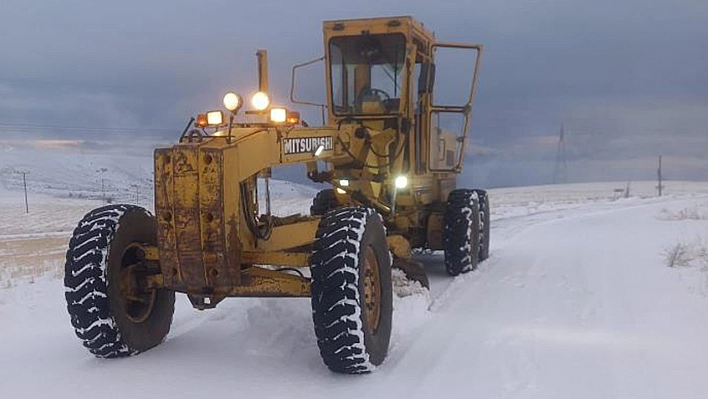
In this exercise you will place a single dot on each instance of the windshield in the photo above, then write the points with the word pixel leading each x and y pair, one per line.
pixel 366 73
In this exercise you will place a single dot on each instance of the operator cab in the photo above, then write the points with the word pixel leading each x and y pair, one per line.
pixel 367 74
pixel 390 74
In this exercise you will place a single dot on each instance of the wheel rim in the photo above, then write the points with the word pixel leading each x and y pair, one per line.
pixel 372 290
pixel 138 299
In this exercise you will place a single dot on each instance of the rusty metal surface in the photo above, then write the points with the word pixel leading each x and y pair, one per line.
pixel 292 259
pixel 192 230
pixel 218 270
pixel 185 209
pixel 164 186
pixel 372 290
pixel 258 282
pixel 201 249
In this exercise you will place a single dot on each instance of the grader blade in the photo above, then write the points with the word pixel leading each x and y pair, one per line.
pixel 413 270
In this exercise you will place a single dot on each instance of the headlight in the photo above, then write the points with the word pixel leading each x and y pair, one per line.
pixel 232 101
pixel 260 101
pixel 215 118
pixel 344 183
pixel 401 182
pixel 278 115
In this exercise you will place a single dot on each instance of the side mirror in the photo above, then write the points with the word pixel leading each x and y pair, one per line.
pixel 426 80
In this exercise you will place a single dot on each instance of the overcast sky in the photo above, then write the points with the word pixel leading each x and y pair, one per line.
pixel 627 78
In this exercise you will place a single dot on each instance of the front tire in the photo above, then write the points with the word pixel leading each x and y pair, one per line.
pixel 352 294
pixel 103 250
pixel 461 232
pixel 484 224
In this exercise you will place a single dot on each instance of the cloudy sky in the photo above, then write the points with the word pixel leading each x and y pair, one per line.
pixel 628 79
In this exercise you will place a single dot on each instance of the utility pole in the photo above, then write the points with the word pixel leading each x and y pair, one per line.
pixel 660 178
pixel 24 183
pixel 103 171
pixel 560 174
pixel 137 193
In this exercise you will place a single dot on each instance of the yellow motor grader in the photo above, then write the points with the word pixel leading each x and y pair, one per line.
pixel 389 156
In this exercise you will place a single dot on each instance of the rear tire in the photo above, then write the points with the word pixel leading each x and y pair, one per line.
pixel 323 202
pixel 107 322
pixel 484 224
pixel 352 294
pixel 461 232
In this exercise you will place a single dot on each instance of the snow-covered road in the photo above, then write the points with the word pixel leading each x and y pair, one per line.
pixel 575 302
pixel 580 306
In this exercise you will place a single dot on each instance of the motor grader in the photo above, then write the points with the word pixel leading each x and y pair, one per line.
pixel 392 165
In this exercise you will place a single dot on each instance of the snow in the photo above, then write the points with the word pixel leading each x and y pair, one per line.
pixel 576 300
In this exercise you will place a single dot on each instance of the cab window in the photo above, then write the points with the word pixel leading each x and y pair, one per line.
pixel 367 73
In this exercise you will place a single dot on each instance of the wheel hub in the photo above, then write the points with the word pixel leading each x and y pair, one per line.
pixel 372 290
pixel 138 299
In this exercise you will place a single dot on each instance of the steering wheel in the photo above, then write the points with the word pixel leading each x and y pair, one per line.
pixel 381 96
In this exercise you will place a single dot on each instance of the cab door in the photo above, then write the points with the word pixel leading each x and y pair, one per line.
pixel 454 87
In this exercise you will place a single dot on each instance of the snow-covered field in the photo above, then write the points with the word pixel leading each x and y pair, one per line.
pixel 587 294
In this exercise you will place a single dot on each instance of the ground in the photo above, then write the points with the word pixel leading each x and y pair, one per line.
pixel 584 296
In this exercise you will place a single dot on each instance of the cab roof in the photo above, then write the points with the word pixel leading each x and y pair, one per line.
pixel 396 24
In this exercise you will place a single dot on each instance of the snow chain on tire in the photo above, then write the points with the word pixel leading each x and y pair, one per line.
pixel 461 232
pixel 87 282
pixel 348 342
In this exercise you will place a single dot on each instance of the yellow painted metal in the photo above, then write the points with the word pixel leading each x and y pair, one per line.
pixel 259 282
pixel 280 258
pixel 290 236
pixel 207 241
pixel 435 231
pixel 155 281
pixel 399 246
pixel 151 253
pixel 202 235
pixel 407 26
